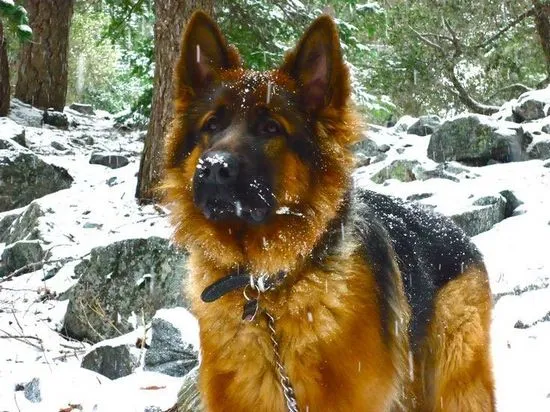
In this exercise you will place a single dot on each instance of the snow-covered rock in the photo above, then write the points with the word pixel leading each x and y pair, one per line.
pixel 83 108
pixel 122 281
pixel 425 125
pixel 476 140
pixel 25 255
pixel 56 119
pixel 25 177
pixel 533 105
pixel 112 160
pixel 171 350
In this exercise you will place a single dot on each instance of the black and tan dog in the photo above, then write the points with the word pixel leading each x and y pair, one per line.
pixel 312 295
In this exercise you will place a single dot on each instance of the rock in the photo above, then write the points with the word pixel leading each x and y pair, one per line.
pixel 540 150
pixel 404 123
pixel 56 119
pixel 11 130
pixel 425 125
pixel 419 196
pixel 58 146
pixel 442 171
pixel 25 114
pixel 366 147
pixel 490 210
pixel 120 280
pixel 383 148
pixel 25 177
pixel 32 391
pixel 403 170
pixel 112 361
pixel 476 139
pixel 21 254
pixel 547 164
pixel 83 108
pixel 532 105
pixel 25 226
pixel 546 128
pixel 171 351
pixel 112 181
pixel 6 220
pixel 512 202
pixel 112 160
pixel 189 399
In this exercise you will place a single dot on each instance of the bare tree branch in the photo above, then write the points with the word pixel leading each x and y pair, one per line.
pixel 465 97
pixel 455 40
pixel 512 24
pixel 428 41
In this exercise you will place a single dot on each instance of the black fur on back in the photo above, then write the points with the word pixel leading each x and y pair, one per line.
pixel 429 248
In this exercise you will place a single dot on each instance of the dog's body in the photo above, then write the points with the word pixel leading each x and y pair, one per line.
pixel 377 305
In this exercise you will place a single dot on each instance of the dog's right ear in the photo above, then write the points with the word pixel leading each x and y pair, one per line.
pixel 204 52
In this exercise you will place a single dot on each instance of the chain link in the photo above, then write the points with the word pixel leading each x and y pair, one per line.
pixel 288 391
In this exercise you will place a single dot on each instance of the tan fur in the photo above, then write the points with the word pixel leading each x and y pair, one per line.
pixel 455 371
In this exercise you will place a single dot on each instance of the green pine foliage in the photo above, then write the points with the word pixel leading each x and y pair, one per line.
pixel 394 69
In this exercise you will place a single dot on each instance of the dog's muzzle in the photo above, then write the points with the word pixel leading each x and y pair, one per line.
pixel 222 191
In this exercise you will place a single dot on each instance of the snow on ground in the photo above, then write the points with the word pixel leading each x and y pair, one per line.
pixel 93 213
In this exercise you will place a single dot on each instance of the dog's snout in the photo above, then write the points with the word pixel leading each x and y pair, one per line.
pixel 219 168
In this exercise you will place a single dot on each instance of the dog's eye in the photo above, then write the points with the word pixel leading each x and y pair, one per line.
pixel 271 127
pixel 212 124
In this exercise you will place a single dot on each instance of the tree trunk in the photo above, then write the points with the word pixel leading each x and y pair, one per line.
pixel 542 24
pixel 42 76
pixel 171 17
pixel 4 75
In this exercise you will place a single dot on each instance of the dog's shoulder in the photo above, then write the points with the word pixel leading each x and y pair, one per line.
pixel 428 248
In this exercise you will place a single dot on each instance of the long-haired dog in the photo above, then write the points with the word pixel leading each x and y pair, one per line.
pixel 312 295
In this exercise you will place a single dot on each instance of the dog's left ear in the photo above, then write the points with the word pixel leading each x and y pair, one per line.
pixel 318 67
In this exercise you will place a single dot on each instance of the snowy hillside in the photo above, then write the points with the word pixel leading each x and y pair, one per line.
pixel 86 263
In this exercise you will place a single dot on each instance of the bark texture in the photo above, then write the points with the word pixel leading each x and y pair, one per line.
pixel 171 18
pixel 542 24
pixel 42 76
pixel 4 75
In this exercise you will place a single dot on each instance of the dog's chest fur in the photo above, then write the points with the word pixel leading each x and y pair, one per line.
pixel 316 318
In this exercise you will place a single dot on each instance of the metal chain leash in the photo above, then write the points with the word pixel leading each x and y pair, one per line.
pixel 288 391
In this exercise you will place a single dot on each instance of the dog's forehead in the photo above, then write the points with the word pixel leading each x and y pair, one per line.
pixel 254 89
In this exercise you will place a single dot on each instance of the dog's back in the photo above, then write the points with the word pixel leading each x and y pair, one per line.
pixel 447 291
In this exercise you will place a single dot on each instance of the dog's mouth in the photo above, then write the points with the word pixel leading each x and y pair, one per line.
pixel 219 209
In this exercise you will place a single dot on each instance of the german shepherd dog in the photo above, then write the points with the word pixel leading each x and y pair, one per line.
pixel 312 295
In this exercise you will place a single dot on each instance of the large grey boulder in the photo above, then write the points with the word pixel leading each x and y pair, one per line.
pixel 25 177
pixel 486 212
pixel 425 125
pixel 121 281
pixel 174 344
pixel 477 140
pixel 532 105
pixel 24 254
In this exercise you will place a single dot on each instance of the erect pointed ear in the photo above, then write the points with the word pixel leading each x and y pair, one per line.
pixel 318 67
pixel 204 52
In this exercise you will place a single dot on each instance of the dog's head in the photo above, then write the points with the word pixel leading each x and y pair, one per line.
pixel 257 161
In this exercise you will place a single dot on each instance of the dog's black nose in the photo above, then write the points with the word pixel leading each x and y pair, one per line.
pixel 219 168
